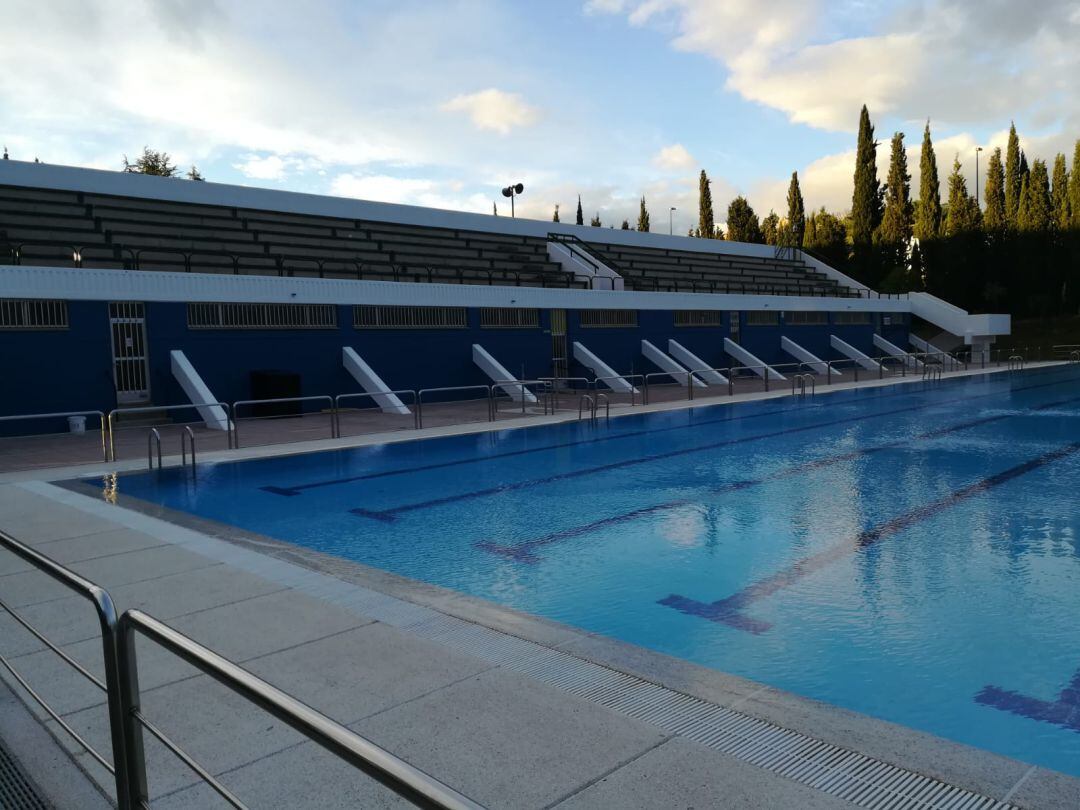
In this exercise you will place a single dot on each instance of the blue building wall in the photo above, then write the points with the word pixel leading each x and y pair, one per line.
pixel 69 369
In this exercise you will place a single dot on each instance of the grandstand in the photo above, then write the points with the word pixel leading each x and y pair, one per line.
pixel 159 291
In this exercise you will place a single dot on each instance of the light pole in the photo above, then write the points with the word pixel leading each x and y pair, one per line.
pixel 671 220
pixel 977 150
pixel 511 191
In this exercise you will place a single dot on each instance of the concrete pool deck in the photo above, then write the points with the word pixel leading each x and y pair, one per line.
pixel 510 709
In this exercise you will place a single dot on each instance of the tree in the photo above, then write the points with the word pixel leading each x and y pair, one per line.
pixel 494 208
pixel 928 217
pixel 896 223
pixel 742 222
pixel 1012 177
pixel 643 217
pixel 555 216
pixel 963 214
pixel 580 215
pixel 595 221
pixel 770 228
pixel 151 162
pixel 195 174
pixel 1060 194
pixel 625 225
pixel 825 234
pixel 994 217
pixel 706 223
pixel 1037 209
pixel 796 213
pixel 1074 190
pixel 866 200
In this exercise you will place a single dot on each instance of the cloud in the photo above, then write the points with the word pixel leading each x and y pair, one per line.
pixel 674 158
pixel 271 167
pixel 952 60
pixel 428 192
pixel 494 109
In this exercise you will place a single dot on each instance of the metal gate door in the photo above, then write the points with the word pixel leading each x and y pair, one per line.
pixel 558 343
pixel 131 373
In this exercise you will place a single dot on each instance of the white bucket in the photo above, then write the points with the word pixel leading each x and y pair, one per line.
pixel 77 424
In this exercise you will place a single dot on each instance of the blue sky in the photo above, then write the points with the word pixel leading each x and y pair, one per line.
pixel 441 103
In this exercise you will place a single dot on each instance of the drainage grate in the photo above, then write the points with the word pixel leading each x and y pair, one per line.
pixel 17 792
pixel 840 772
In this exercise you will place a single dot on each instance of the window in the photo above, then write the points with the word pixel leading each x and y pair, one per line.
pixel 698 317
pixel 762 318
pixel 509 318
pixel 17 314
pixel 608 318
pixel 806 318
pixel 393 317
pixel 262 316
pixel 849 318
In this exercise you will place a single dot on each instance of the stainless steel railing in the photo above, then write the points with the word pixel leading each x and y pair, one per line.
pixel 127 720
pixel 153 409
pixel 107 620
pixel 62 415
pixel 331 412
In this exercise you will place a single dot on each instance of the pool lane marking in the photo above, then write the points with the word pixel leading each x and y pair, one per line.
pixel 1064 712
pixel 729 610
pixel 298 489
pixel 392 514
pixel 525 551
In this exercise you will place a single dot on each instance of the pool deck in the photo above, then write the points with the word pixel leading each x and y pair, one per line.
pixel 510 709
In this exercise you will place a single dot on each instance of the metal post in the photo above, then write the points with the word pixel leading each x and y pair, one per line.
pixel 128 692
pixel 765 371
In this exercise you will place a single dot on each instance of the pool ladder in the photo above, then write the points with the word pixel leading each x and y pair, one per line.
pixel 800 384
pixel 153 440
pixel 589 405
pixel 1016 362
pixel 931 371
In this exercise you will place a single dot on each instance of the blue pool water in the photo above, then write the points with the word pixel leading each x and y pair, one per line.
pixel 909 552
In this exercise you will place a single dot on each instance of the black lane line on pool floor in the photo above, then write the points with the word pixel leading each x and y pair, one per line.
pixel 729 610
pixel 298 489
pixel 525 551
pixel 1064 712
pixel 390 515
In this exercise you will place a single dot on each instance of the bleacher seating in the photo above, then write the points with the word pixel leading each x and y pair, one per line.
pixel 658 269
pixel 65 228
pixel 60 228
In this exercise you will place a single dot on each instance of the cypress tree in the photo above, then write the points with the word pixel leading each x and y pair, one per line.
pixel 770 227
pixel 1022 205
pixel 994 218
pixel 1074 190
pixel 796 213
pixel 495 208
pixel 555 216
pixel 1060 194
pixel 580 215
pixel 1012 177
pixel 962 216
pixel 643 217
pixel 625 225
pixel 742 222
pixel 896 223
pixel 928 216
pixel 1038 210
pixel 866 200
pixel 827 236
pixel 706 223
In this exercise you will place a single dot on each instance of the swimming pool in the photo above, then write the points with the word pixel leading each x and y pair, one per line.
pixel 910 552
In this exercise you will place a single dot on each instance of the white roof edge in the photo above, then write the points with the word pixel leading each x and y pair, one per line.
pixel 75 284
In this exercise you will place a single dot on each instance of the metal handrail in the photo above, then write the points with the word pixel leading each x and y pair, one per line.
pixel 150 438
pixel 1016 362
pixel 108 620
pixel 277 400
pixel 185 435
pixel 674 376
pixel 629 379
pixel 600 395
pixel 581 405
pixel 156 408
pixel 543 396
pixel 359 394
pixel 394 773
pixel 62 414
pixel 931 372
pixel 799 382
pixel 422 391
